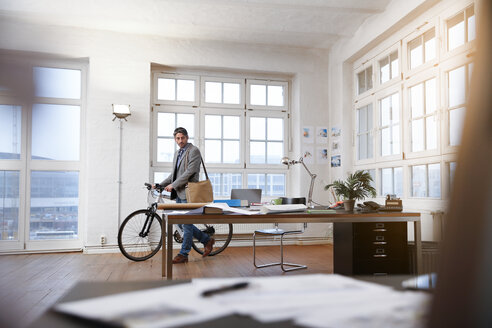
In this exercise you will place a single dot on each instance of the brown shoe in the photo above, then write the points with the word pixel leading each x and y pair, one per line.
pixel 180 259
pixel 208 247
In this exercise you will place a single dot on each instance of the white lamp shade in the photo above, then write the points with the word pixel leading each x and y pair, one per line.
pixel 121 111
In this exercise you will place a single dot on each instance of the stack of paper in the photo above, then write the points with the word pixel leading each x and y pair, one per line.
pixel 283 208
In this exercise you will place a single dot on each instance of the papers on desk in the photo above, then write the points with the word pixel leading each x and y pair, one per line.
pixel 270 209
pixel 309 300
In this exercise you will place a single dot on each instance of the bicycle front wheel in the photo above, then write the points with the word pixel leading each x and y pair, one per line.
pixel 140 235
pixel 222 233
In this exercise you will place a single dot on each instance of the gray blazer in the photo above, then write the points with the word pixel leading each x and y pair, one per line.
pixel 191 174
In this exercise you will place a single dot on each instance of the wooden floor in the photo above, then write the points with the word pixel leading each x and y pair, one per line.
pixel 30 284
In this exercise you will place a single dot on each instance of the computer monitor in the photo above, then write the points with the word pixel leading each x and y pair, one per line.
pixel 251 195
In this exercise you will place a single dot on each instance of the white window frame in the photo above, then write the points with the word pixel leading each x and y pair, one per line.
pixel 386 54
pixel 267 115
pixel 362 67
pixel 176 76
pixel 450 13
pixel 267 83
pixel 426 164
pixel 415 80
pixel 378 137
pixel 357 106
pixel 242 92
pixel 420 32
pixel 221 112
pixel 380 178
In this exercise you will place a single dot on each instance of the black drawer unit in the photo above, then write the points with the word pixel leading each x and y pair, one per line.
pixel 370 248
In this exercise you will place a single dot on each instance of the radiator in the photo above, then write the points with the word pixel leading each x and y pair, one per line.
pixel 430 256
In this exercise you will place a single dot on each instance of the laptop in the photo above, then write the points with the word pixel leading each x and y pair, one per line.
pixel 251 195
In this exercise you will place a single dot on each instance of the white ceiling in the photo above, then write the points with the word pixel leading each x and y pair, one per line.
pixel 297 23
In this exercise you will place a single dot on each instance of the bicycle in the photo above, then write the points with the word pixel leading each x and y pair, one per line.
pixel 140 234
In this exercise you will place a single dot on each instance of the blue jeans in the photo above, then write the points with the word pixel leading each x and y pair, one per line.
pixel 190 231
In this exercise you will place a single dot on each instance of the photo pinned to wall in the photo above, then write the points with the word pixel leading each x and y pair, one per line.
pixel 336 147
pixel 336 131
pixel 308 154
pixel 322 155
pixel 336 161
pixel 321 135
pixel 308 134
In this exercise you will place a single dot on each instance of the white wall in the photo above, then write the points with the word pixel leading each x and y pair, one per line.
pixel 119 72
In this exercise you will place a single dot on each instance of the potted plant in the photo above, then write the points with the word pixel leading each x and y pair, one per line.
pixel 356 186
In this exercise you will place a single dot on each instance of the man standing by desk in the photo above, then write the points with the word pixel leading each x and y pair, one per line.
pixel 186 164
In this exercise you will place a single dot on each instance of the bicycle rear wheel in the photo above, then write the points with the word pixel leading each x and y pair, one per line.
pixel 222 233
pixel 136 240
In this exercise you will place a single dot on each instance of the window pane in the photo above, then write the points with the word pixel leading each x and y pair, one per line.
pixel 419 181
pixel 231 127
pixel 165 149
pixel 55 132
pixel 370 144
pixel 258 94
pixel 456 31
pixel 456 120
pixel 165 124
pixel 54 205
pixel 369 78
pixel 452 171
pixel 430 45
pixel 257 152
pixel 216 184
pixel 386 142
pixel 417 100
pixel 430 96
pixel 57 82
pixel 213 150
pixel 361 85
pixel 160 176
pixel 231 152
pixel 384 70
pixel 470 13
pixel 418 135
pixel 186 121
pixel 275 152
pixel 398 181
pixel 10 131
pixel 275 95
pixel 385 104
pixel 362 146
pixel 434 180
pixel 276 185
pixel 186 90
pixel 9 205
pixel 257 128
pixel 362 116
pixel 275 129
pixel 394 65
pixel 213 126
pixel 256 181
pixel 416 53
pixel 395 108
pixel 232 93
pixel 231 181
pixel 396 139
pixel 431 132
pixel 166 89
pixel 213 92
pixel 456 91
pixel 386 181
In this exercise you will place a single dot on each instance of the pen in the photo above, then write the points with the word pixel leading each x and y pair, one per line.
pixel 211 292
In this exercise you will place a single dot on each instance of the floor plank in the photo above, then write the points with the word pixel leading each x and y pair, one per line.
pixel 31 283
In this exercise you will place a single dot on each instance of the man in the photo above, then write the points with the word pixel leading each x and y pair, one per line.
pixel 186 164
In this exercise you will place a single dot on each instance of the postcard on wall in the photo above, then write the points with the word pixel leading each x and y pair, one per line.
pixel 321 134
pixel 322 155
pixel 336 131
pixel 308 134
pixel 336 147
pixel 308 154
pixel 336 161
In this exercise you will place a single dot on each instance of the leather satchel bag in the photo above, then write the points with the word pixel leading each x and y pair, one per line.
pixel 201 191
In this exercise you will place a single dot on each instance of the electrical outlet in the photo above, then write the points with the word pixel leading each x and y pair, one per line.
pixel 103 239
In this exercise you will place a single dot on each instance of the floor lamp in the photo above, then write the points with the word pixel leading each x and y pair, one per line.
pixel 289 162
pixel 120 112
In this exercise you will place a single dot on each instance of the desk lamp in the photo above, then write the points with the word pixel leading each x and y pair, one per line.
pixel 289 162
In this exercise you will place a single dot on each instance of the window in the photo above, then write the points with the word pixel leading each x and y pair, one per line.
pixel 57 82
pixel 426 180
pixel 10 131
pixel 423 104
pixel 222 139
pixel 266 140
pixel 166 123
pixel 364 133
pixel 457 90
pixel 422 49
pixel 222 183
pixel 271 184
pixel 267 94
pixel 223 92
pixel 392 181
pixel 452 172
pixel 176 89
pixel 388 67
pixel 9 205
pixel 461 28
pixel 389 125
pixel 364 80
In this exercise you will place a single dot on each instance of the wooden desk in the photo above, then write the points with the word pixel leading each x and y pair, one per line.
pixel 297 217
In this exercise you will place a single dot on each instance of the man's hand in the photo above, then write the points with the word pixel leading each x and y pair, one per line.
pixel 169 188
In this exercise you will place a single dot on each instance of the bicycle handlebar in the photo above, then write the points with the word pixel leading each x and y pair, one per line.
pixel 158 187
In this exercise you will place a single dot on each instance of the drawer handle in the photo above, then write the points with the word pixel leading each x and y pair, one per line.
pixel 379 255
pixel 379 242
pixel 379 230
